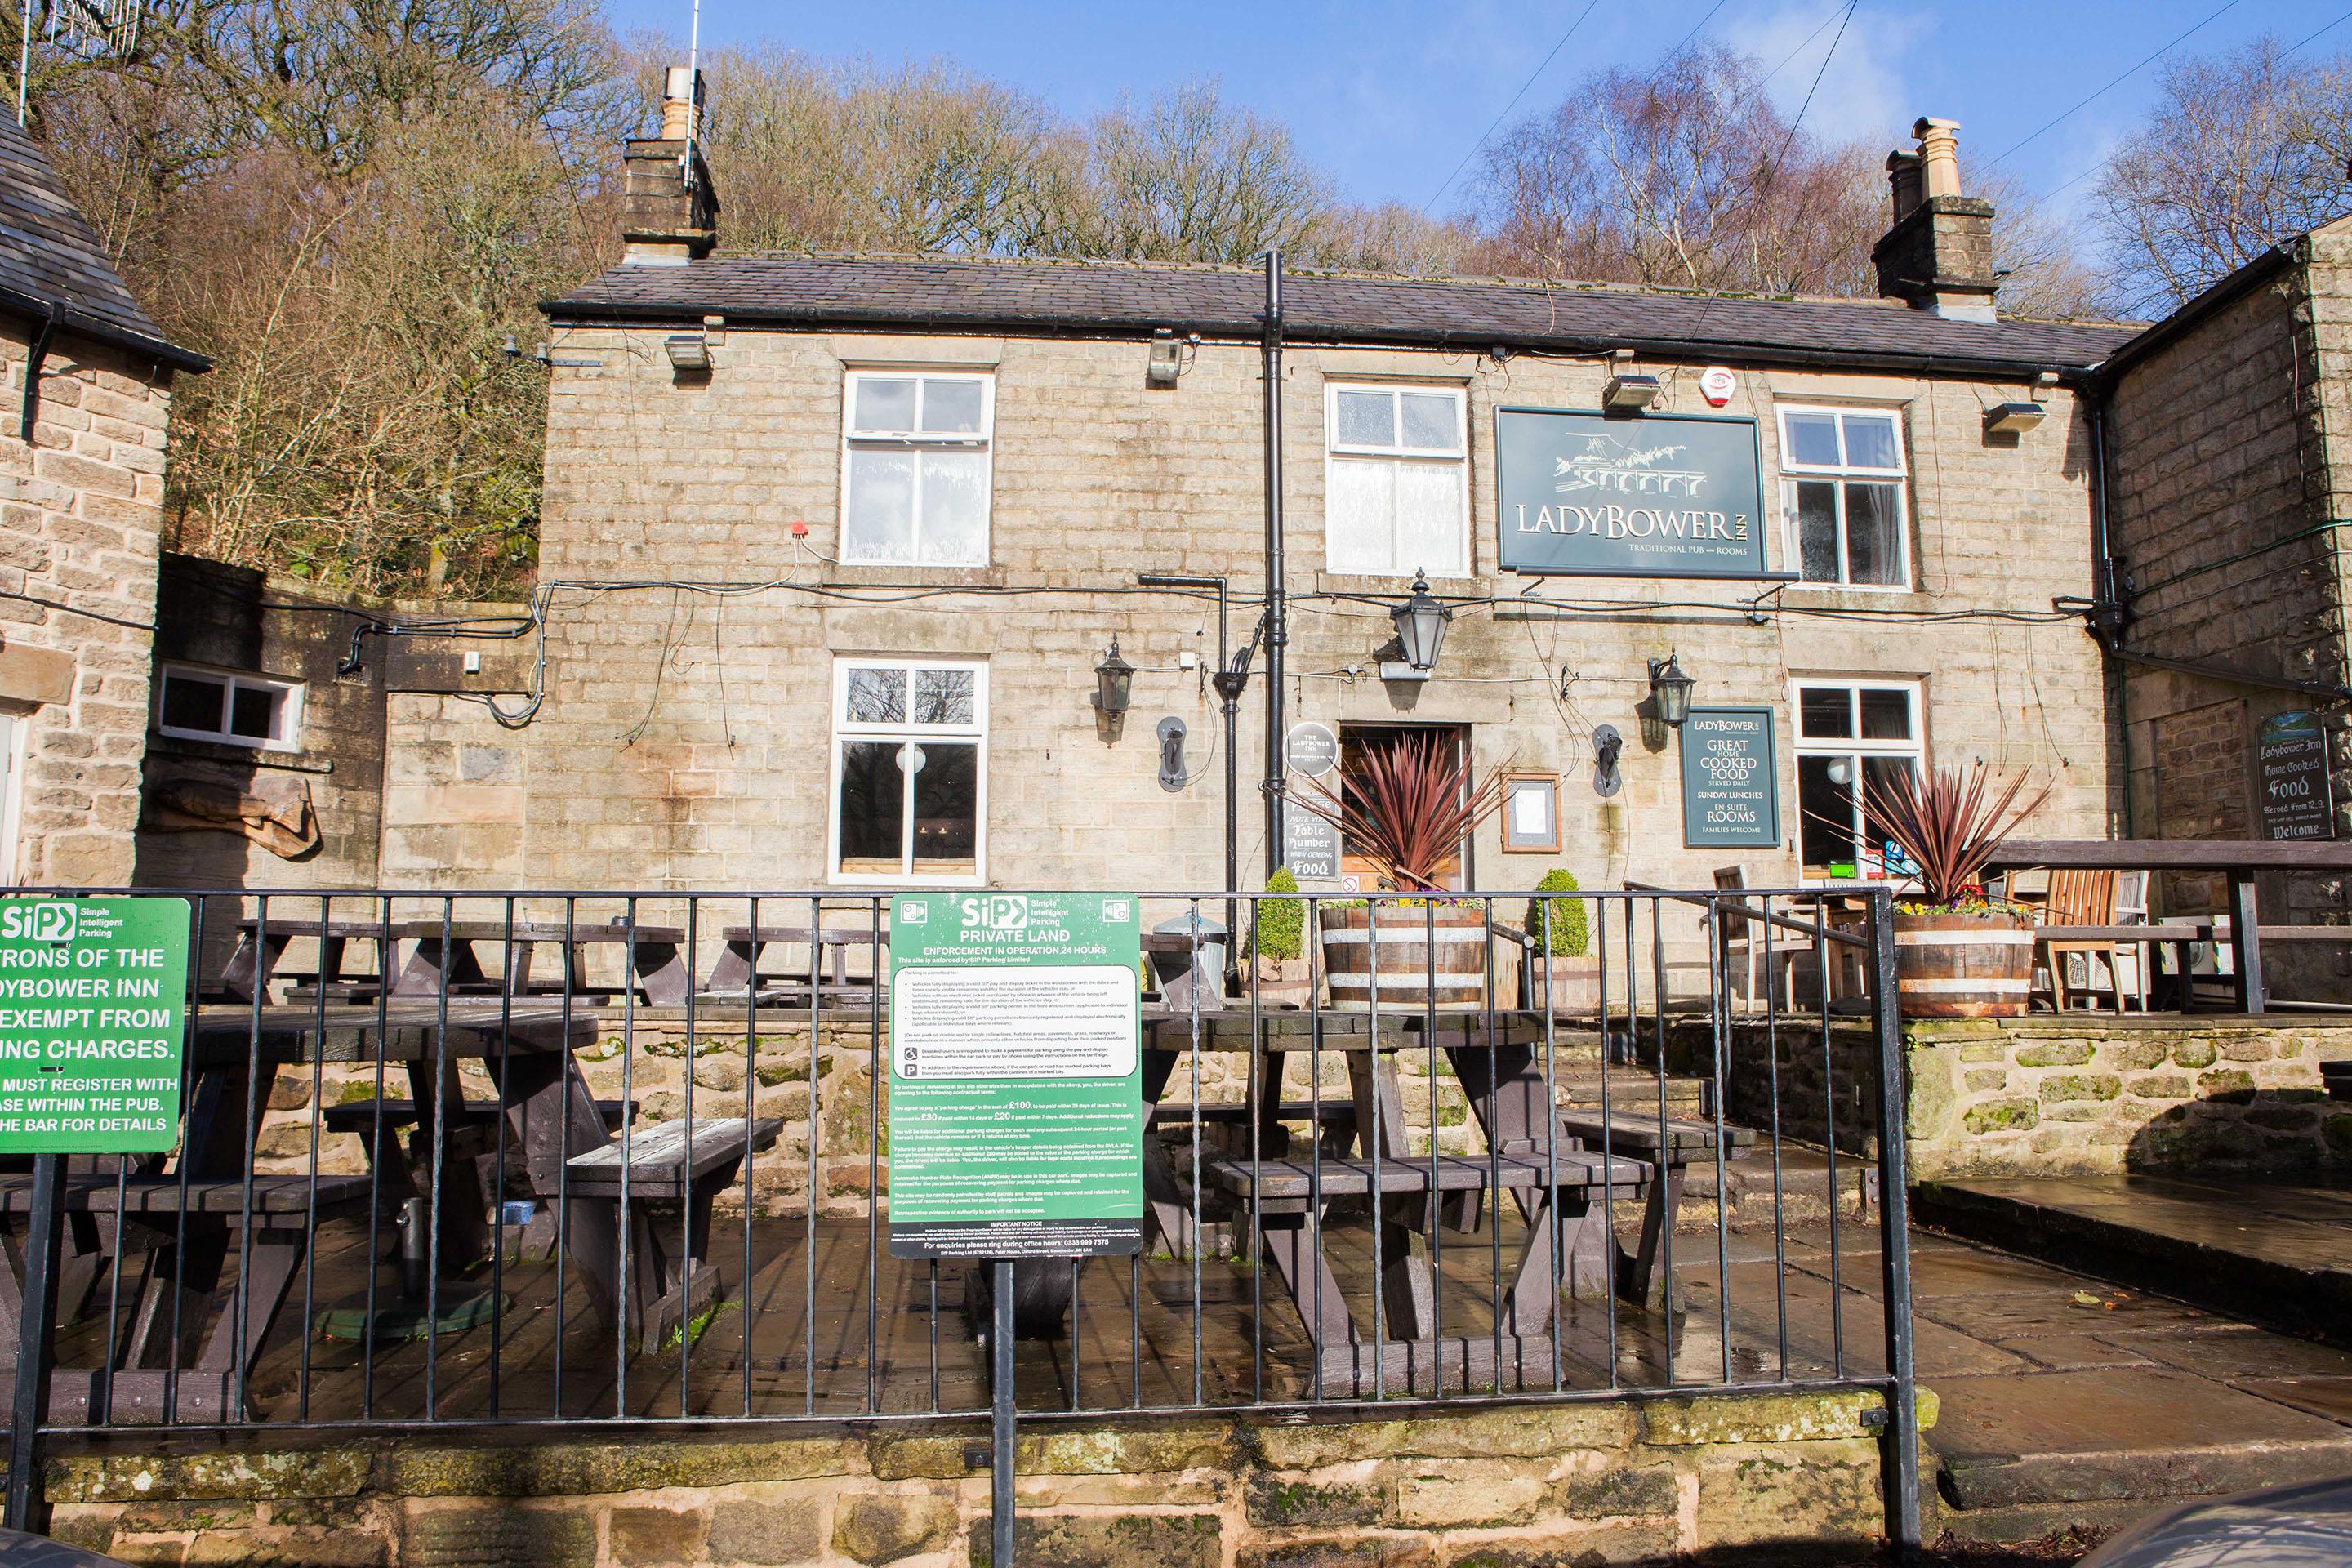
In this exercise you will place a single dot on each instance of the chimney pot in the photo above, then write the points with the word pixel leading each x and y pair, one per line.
pixel 1903 176
pixel 1939 155
pixel 681 104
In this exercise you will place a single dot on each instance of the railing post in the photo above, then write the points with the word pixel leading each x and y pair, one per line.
pixel 1900 1465
pixel 28 1508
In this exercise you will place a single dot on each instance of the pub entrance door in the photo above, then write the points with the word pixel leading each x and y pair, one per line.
pixel 1355 741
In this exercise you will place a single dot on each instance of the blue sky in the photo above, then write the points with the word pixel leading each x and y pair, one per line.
pixel 1389 95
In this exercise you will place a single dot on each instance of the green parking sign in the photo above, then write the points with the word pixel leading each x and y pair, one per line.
pixel 1016 1110
pixel 93 1007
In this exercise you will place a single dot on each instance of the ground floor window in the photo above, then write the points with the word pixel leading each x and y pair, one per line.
pixel 1849 732
pixel 231 709
pixel 909 770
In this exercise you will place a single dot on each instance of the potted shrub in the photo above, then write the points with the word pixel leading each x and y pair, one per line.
pixel 1406 809
pixel 1559 932
pixel 1958 955
pixel 1278 944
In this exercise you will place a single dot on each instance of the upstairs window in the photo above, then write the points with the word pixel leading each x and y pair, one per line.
pixel 1397 484
pixel 1842 490
pixel 909 770
pixel 915 468
pixel 232 709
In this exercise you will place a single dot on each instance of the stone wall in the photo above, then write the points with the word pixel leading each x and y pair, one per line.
pixel 685 737
pixel 2229 459
pixel 1477 1487
pixel 2081 1095
pixel 80 512
pixel 229 619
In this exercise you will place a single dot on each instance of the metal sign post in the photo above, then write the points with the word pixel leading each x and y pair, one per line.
pixel 1016 1108
pixel 90 1063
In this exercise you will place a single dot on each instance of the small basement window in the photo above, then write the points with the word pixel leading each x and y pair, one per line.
pixel 231 709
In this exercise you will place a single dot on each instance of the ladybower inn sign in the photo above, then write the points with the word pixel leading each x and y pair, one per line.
pixel 1660 496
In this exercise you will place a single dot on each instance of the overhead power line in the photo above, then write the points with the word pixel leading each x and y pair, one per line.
pixel 1475 146
pixel 2120 79
pixel 2304 42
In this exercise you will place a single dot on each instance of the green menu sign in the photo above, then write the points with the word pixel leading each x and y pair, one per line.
pixel 93 1003
pixel 1016 1109
pixel 1730 789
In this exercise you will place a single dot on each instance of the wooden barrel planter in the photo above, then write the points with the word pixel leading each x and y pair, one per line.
pixel 1413 972
pixel 1963 965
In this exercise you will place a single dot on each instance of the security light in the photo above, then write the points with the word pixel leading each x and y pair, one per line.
pixel 688 351
pixel 2012 418
pixel 1167 362
pixel 1629 393
pixel 1420 622
pixel 1114 683
pixel 1670 690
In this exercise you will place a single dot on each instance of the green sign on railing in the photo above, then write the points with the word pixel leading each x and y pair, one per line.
pixel 1016 1109
pixel 93 1007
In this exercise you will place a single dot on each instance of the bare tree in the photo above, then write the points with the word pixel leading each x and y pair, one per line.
pixel 1684 174
pixel 2238 152
pixel 1187 177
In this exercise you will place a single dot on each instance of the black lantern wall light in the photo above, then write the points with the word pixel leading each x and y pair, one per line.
pixel 1114 691
pixel 1421 622
pixel 1670 691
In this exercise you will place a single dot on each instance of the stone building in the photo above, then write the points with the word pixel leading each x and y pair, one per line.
pixel 89 382
pixel 2230 455
pixel 811 519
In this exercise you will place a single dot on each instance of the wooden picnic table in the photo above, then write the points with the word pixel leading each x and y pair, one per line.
pixel 1498 1058
pixel 262 942
pixel 2241 859
pixel 563 1149
pixel 738 968
pixel 445 957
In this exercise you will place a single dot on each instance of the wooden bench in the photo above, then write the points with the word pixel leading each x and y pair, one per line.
pixel 1667 1148
pixel 277 1213
pixel 679 1166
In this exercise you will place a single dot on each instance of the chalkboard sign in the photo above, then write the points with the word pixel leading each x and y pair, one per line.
pixel 1310 846
pixel 1667 495
pixel 1731 796
pixel 2291 763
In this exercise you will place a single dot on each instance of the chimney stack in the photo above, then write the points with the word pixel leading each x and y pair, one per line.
pixel 1938 254
pixel 669 214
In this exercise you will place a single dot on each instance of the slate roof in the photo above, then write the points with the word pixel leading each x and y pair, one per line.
pixel 50 257
pixel 1069 297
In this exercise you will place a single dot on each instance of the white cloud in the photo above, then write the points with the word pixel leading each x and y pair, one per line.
pixel 1863 94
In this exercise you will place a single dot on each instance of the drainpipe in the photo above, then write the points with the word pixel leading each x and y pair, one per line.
pixel 1277 631
pixel 2108 584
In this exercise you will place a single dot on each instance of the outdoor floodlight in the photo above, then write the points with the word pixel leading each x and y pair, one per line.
pixel 2012 418
pixel 1167 362
pixel 1628 393
pixel 688 351
pixel 1114 683
pixel 1670 691
pixel 1420 622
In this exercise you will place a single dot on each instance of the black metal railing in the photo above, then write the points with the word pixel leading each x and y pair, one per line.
pixel 524 1157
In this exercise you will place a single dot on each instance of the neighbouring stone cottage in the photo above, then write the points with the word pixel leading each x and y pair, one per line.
pixel 89 385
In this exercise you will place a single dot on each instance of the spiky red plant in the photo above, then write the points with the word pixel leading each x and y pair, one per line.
pixel 1947 824
pixel 1406 808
